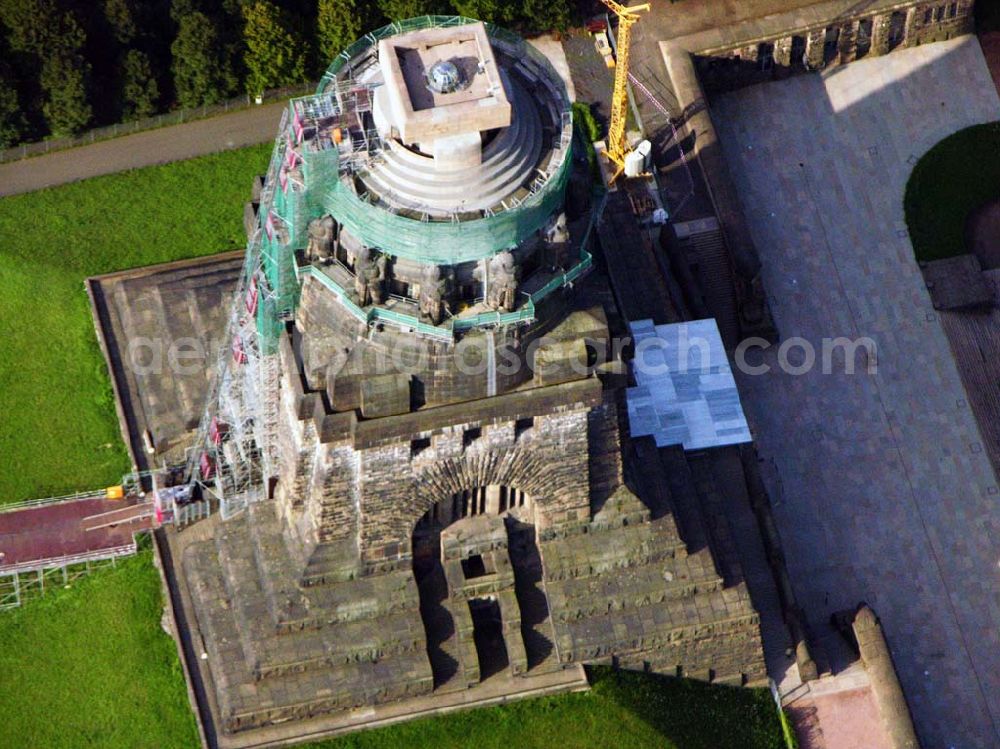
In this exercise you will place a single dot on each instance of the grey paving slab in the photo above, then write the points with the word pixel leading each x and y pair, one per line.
pixel 882 490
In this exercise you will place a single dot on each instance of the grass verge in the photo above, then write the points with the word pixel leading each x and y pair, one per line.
pixel 90 666
pixel 59 432
pixel 624 709
pixel 955 177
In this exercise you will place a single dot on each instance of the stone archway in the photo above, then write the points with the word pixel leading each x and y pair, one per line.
pixel 494 499
pixel 478 572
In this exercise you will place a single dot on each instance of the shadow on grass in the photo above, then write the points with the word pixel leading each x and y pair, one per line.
pixel 692 714
pixel 948 183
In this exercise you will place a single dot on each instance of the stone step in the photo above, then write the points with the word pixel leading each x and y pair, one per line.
pixel 488 187
pixel 287 604
pixel 537 631
pixel 271 650
pixel 719 613
pixel 293 607
pixel 225 275
pixel 443 651
pixel 348 687
pixel 495 155
pixel 496 151
pixel 405 177
pixel 590 554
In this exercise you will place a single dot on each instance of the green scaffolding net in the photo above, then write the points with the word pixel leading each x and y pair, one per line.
pixel 284 217
pixel 435 241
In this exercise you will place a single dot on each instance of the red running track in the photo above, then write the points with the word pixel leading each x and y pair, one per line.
pixel 58 530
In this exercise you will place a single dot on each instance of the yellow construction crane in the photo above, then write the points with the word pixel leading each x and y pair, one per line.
pixel 627 18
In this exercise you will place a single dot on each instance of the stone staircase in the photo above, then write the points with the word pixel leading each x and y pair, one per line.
pixel 280 651
pixel 536 622
pixel 648 603
pixel 408 179
pixel 702 247
pixel 443 648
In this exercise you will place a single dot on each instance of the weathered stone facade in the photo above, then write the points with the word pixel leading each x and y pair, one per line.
pixel 352 588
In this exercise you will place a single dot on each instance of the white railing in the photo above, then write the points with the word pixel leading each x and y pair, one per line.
pixel 45 501
pixel 98 555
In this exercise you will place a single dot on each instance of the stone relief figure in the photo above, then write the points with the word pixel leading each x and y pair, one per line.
pixel 433 292
pixel 369 273
pixel 557 242
pixel 501 284
pixel 321 231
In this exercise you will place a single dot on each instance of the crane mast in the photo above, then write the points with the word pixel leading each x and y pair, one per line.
pixel 627 18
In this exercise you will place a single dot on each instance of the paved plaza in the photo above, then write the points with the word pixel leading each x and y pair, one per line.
pixel 881 487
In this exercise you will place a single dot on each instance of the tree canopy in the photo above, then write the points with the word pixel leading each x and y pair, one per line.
pixel 201 73
pixel 69 64
pixel 338 23
pixel 274 56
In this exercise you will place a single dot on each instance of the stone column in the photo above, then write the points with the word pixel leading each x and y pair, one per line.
pixel 847 45
pixel 783 52
pixel 492 500
pixel 912 14
pixel 814 48
pixel 880 34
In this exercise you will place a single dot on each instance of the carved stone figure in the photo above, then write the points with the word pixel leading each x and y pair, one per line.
pixel 321 231
pixel 501 285
pixel 433 291
pixel 369 273
pixel 557 242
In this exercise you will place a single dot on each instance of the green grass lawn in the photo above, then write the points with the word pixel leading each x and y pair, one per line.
pixel 59 432
pixel 625 710
pixel 950 181
pixel 90 666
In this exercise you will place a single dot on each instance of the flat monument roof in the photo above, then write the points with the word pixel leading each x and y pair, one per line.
pixel 422 114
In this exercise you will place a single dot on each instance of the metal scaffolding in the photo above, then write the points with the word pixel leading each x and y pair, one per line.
pixel 322 142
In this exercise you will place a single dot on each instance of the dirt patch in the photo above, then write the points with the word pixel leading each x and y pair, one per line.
pixel 982 234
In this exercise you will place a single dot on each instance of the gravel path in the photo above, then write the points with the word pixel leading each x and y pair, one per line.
pixel 244 128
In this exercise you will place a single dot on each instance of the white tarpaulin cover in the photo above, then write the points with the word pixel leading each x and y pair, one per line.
pixel 686 394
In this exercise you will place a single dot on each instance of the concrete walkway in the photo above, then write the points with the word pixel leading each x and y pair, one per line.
pixel 244 128
pixel 881 488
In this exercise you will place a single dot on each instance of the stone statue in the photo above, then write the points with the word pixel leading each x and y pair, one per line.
pixel 433 293
pixel 369 273
pixel 501 283
pixel 321 231
pixel 557 242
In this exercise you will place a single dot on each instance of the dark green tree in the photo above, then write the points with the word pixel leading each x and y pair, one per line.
pixel 64 81
pixel 274 56
pixel 544 15
pixel 12 123
pixel 48 34
pixel 397 10
pixel 491 11
pixel 338 23
pixel 139 90
pixel 201 71
pixel 121 18
pixel 180 9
